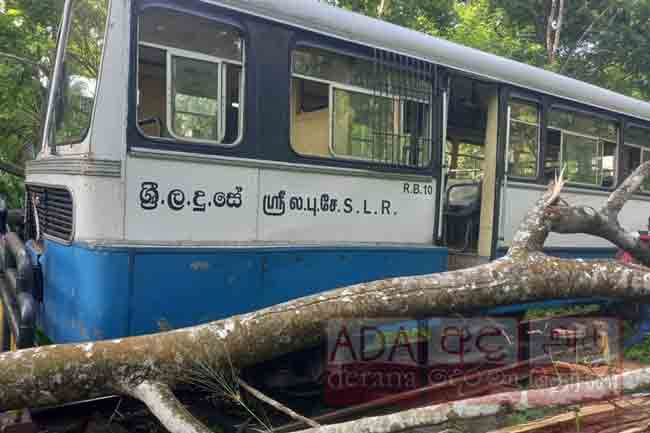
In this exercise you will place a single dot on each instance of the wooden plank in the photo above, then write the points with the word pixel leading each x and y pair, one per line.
pixel 584 413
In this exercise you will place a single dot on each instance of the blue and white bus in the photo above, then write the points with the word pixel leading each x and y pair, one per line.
pixel 203 158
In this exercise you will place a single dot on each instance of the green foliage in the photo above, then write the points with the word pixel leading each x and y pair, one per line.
pixel 570 310
pixel 528 415
pixel 639 352
pixel 427 16
pixel 41 339
pixel 604 42
pixel 482 26
pixel 27 37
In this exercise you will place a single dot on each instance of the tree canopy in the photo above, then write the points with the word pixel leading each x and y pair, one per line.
pixel 603 42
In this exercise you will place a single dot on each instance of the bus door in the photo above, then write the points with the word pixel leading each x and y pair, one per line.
pixel 443 166
pixel 521 172
pixel 471 138
pixel 502 180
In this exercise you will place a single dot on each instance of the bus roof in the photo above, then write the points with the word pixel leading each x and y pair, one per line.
pixel 333 21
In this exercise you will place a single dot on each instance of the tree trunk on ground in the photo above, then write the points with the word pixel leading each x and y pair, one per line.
pixel 148 367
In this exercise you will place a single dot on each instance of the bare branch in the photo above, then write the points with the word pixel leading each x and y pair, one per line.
pixel 383 7
pixel 165 406
pixel 622 194
pixel 20 59
pixel 534 230
pixel 584 34
pixel 35 65
pixel 584 219
pixel 276 404
pixel 555 188
pixel 549 31
pixel 558 29
pixel 604 222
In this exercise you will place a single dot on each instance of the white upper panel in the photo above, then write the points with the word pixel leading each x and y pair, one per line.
pixel 519 198
pixel 180 201
pixel 109 120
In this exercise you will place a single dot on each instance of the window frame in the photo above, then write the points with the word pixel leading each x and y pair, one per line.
pixel 170 105
pixel 221 63
pixel 631 125
pixel 515 97
pixel 255 146
pixel 598 140
pixel 48 123
pixel 591 113
pixel 641 148
pixel 396 102
pixel 332 85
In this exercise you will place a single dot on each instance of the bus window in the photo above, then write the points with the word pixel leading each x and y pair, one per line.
pixel 464 160
pixel 636 151
pixel 76 94
pixel 341 107
pixel 584 144
pixel 552 154
pixel 189 83
pixel 195 98
pixel 523 144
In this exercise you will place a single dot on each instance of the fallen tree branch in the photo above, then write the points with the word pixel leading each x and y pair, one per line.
pixel 276 404
pixel 148 366
pixel 161 401
pixel 604 222
pixel 483 376
pixel 41 372
pixel 495 404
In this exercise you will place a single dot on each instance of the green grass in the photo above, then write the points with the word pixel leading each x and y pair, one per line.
pixel 573 310
pixel 528 415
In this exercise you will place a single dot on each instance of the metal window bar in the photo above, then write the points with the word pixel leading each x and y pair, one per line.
pixel 401 131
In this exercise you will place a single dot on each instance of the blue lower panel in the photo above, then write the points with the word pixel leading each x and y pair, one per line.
pixel 106 293
pixel 176 289
pixel 85 293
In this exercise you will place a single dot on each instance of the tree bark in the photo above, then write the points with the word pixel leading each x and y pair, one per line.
pixel 549 30
pixel 146 367
pixel 554 29
pixel 276 404
pixel 170 412
pixel 383 7
pixel 558 30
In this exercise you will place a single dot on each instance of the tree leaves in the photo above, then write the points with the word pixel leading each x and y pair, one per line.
pixel 604 42
pixel 27 39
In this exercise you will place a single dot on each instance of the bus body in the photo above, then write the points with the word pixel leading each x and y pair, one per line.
pixel 220 156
